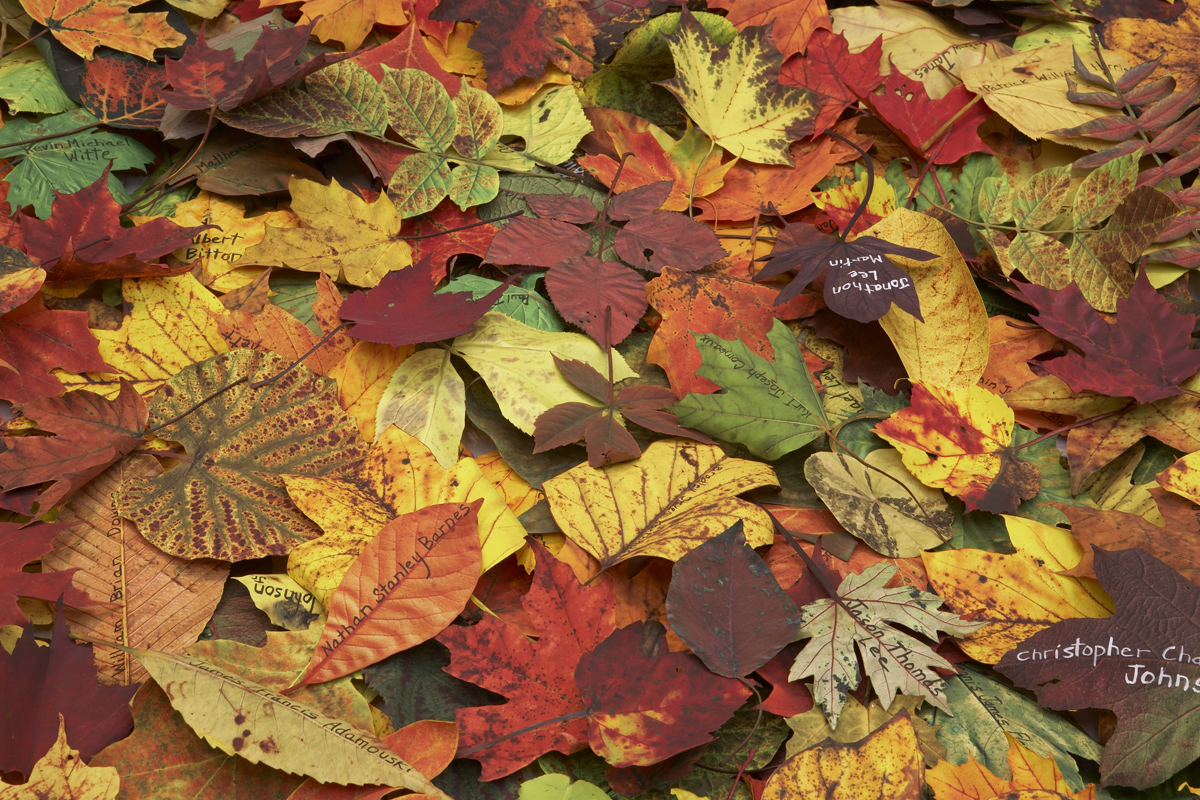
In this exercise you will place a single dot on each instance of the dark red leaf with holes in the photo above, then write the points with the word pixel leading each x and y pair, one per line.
pixel 537 243
pixel 83 239
pixel 1145 354
pixel 404 309
pixel 39 683
pixel 926 124
pixel 644 703
pixel 668 239
pixel 536 676
pixel 583 288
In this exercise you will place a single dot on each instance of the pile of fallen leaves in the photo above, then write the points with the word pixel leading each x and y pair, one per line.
pixel 558 399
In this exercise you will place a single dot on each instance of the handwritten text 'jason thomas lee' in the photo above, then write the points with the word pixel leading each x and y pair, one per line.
pixel 382 590
pixel 1138 673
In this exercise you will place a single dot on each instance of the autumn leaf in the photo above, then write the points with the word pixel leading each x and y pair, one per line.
pixel 1101 659
pixel 676 496
pixel 943 130
pixel 641 698
pixel 44 687
pixel 857 722
pixel 384 595
pixel 537 677
pixel 348 23
pixel 961 442
pixel 34 340
pixel 61 773
pixel 293 426
pixel 718 87
pixel 792 23
pixel 725 604
pixel 885 764
pixel 23 545
pixel 1030 771
pixel 82 27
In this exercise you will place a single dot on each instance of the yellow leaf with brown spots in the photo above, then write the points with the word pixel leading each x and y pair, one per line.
pixel 219 251
pixel 344 236
pixel 960 441
pixel 678 495
pixel 61 774
pixel 362 377
pixel 1034 777
pixel 1183 477
pixel 169 327
pixel 950 348
pixel 1018 594
pixel 1147 39
pixel 887 765
pixel 398 476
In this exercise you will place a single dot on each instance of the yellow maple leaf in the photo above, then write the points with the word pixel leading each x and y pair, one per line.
pixel 398 476
pixel 960 441
pixel 677 496
pixel 170 326
pixel 62 773
pixel 83 25
pixel 346 21
pixel 1018 594
pixel 344 236
pixel 219 251
pixel 973 781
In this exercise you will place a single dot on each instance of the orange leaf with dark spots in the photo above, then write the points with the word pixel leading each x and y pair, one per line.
pixel 406 586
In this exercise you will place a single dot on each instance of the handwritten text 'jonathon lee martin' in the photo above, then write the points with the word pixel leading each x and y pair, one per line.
pixel 1138 674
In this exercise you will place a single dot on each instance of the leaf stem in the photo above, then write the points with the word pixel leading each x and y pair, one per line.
pixel 461 228
pixel 212 396
pixel 561 40
pixel 298 361
pixel 862 205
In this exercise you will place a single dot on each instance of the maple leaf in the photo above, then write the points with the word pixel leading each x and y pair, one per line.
pixel 91 432
pixel 404 309
pixel 1132 663
pixel 1145 354
pixel 21 546
pixel 61 773
pixel 34 340
pixel 83 239
pixel 942 130
pixel 732 92
pixel 838 76
pixel 517 37
pixel 40 685
pixel 82 26
pixel 792 22
pixel 538 677
pixel 1029 771
pixel 208 77
pixel 345 22
pixel 607 440
pixel 860 615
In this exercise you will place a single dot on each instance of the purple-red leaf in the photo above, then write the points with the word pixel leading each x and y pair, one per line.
pixel 404 309
pixel 537 243
pixel 22 545
pixel 668 239
pixel 562 207
pixel 640 201
pixel 583 288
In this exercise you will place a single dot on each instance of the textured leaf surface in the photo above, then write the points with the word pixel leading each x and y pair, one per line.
pixel 83 26
pixel 229 501
pixel 23 545
pixel 34 340
pixel 61 773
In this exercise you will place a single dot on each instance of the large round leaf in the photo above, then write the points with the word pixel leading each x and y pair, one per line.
pixel 227 500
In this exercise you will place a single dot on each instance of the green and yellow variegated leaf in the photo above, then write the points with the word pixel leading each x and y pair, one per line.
pixel 340 98
pixel 426 399
pixel 419 108
pixel 1104 188
pixel 996 197
pixel 480 122
pixel 1040 199
pixel 419 183
pixel 1041 258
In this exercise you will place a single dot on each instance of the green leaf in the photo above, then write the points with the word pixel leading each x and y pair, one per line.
pixel 1041 258
pixel 995 203
pixel 1056 479
pixel 419 108
pixel 419 183
pixel 1040 199
pixel 522 303
pixel 982 710
pixel 964 195
pixel 479 123
pixel 1104 188
pixel 771 407
pixel 229 500
pixel 28 84
pixel 340 98
pixel 64 163
pixel 473 185
pixel 559 787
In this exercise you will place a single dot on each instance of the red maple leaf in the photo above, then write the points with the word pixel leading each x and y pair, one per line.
pixel 39 683
pixel 205 76
pixel 941 130
pixel 831 70
pixel 83 239
pixel 92 433
pixel 1143 355
pixel 35 340
pixel 537 677
pixel 24 544
pixel 404 309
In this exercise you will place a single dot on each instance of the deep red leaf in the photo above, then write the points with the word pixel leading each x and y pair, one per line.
pixel 407 50
pixel 926 124
pixel 645 703
pixel 562 207
pixel 536 676
pixel 537 243
pixel 1144 354
pixel 91 431
pixel 21 545
pixel 726 605
pixel 1115 128
pixel 35 340
pixel 831 70
pixel 787 698
pixel 83 239
pixel 404 309
pixel 441 240
pixel 122 90
pixel 39 683
pixel 583 287
pixel 640 201
pixel 668 239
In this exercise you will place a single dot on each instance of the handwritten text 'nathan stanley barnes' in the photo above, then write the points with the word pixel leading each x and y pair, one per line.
pixel 1139 673
pixel 382 590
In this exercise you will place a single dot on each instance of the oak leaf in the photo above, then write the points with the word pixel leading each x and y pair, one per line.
pixel 385 604
pixel 722 89
pixel 1131 663
pixel 676 496
pixel 82 27
pixel 960 441
pixel 538 676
